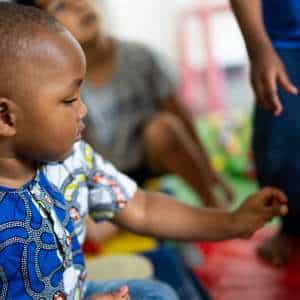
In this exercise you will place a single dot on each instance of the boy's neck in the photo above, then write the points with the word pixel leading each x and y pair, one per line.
pixel 15 173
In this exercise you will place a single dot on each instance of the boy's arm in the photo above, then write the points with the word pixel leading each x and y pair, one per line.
pixel 267 70
pixel 162 216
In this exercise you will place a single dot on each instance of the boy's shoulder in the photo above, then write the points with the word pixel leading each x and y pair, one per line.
pixel 85 165
pixel 82 170
pixel 79 161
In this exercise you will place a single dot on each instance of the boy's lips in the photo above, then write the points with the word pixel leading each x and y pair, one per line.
pixel 81 128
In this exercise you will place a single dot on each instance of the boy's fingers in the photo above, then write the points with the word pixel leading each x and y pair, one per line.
pixel 123 291
pixel 280 210
pixel 271 196
pixel 279 197
pixel 276 210
pixel 284 210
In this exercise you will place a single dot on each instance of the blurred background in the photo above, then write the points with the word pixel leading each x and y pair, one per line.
pixel 202 40
pixel 200 37
pixel 204 47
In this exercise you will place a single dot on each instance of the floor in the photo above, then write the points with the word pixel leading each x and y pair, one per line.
pixel 232 271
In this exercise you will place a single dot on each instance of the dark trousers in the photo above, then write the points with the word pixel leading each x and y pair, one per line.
pixel 276 144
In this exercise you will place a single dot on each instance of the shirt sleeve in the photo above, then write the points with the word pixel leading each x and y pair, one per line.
pixel 109 189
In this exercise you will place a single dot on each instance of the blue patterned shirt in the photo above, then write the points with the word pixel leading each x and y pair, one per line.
pixel 42 225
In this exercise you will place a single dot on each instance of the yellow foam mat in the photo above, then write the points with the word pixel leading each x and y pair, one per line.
pixel 126 242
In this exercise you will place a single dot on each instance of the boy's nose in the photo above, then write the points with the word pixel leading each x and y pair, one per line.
pixel 82 110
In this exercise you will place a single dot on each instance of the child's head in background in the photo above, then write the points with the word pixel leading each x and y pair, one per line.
pixel 79 16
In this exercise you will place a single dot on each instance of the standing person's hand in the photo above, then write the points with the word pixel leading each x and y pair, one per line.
pixel 121 294
pixel 258 209
pixel 267 74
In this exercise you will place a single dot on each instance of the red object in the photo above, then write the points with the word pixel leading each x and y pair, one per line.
pixel 91 248
pixel 232 271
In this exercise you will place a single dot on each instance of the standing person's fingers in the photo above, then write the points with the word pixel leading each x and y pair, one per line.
pixel 286 83
pixel 270 94
pixel 260 98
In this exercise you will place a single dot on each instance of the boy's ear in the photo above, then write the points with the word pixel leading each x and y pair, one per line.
pixel 7 118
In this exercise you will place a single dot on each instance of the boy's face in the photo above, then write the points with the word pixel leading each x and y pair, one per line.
pixel 79 16
pixel 49 121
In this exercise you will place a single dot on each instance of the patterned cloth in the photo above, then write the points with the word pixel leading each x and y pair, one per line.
pixel 119 108
pixel 90 186
pixel 40 256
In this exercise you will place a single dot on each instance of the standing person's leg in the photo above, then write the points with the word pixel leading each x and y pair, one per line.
pixel 276 144
pixel 138 289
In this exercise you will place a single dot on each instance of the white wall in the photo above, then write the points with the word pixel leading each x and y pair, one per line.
pixel 155 22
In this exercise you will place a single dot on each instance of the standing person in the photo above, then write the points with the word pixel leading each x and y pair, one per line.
pixel 271 29
pixel 135 119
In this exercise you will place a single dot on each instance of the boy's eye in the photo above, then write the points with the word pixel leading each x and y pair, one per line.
pixel 70 101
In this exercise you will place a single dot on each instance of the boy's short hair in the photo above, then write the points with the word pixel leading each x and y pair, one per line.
pixel 14 13
pixel 19 25
pixel 26 2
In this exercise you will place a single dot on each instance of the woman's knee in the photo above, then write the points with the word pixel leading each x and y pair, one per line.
pixel 163 131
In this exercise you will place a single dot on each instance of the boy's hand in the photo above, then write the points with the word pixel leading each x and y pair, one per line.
pixel 267 72
pixel 259 209
pixel 121 294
